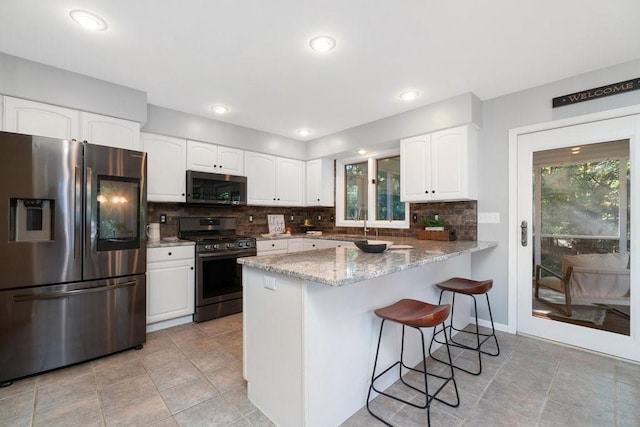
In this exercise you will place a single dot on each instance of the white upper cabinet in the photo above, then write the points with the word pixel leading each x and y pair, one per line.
pixel 35 118
pixel 109 131
pixel 320 183
pixel 274 181
pixel 261 178
pixel 439 166
pixel 166 167
pixel 289 182
pixel 205 157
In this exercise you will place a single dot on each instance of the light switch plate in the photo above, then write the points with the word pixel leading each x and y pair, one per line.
pixel 488 217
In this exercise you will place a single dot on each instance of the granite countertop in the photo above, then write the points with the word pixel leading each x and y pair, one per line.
pixel 168 242
pixel 341 266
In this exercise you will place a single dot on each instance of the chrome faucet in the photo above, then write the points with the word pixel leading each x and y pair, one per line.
pixel 365 227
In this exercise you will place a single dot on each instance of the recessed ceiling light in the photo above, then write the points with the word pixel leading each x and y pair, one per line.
pixel 304 132
pixel 361 151
pixel 88 20
pixel 322 43
pixel 219 109
pixel 409 95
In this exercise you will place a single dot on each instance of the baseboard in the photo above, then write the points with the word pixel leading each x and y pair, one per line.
pixel 487 323
pixel 169 323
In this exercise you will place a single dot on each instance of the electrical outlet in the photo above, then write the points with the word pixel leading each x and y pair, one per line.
pixel 250 218
pixel 163 218
pixel 291 218
pixel 319 217
pixel 269 282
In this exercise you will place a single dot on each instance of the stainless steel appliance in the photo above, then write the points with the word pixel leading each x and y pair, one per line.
pixel 218 274
pixel 205 188
pixel 72 252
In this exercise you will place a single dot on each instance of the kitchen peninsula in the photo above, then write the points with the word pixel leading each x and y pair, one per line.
pixel 310 332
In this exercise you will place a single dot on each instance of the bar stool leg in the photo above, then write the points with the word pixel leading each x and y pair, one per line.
pixel 428 397
pixel 477 333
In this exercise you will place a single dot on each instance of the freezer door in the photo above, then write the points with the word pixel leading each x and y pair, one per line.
pixel 52 326
pixel 115 238
pixel 40 210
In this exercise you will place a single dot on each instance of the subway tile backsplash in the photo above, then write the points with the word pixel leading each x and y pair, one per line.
pixel 460 216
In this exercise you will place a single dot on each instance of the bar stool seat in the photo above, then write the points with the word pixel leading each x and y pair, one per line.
pixel 460 285
pixel 415 314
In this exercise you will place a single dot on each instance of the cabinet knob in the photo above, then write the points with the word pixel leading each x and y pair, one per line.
pixel 215 166
pixel 273 244
pixel 274 198
pixel 183 194
pixel 191 268
pixel 426 191
pixel 433 191
pixel 317 200
pixel 169 254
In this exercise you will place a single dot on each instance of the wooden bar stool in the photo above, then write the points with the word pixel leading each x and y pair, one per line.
pixel 458 285
pixel 416 314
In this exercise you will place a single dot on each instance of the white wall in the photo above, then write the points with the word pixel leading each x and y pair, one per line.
pixel 38 82
pixel 182 125
pixel 516 110
pixel 387 132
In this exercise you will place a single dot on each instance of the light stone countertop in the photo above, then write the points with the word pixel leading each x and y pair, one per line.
pixel 341 266
pixel 162 243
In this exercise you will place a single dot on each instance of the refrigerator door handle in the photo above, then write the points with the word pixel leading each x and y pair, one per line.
pixel 63 294
pixel 77 214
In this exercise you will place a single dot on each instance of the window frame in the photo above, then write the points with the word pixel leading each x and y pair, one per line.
pixel 371 194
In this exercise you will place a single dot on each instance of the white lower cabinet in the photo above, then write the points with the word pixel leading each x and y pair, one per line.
pixel 298 244
pixel 272 247
pixel 295 245
pixel 170 284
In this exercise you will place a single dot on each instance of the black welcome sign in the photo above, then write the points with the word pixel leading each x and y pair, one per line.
pixel 599 92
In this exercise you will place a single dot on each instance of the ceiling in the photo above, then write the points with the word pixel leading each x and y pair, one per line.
pixel 254 57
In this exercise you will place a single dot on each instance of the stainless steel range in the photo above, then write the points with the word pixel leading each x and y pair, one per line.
pixel 218 275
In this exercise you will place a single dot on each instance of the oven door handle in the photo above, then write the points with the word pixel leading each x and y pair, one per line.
pixel 227 254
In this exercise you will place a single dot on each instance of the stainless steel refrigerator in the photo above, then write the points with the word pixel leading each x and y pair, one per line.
pixel 72 252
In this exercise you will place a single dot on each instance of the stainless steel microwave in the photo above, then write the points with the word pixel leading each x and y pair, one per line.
pixel 216 189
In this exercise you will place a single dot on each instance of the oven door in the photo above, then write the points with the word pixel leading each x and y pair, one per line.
pixel 219 277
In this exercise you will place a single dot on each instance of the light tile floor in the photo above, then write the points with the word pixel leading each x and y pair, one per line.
pixel 191 375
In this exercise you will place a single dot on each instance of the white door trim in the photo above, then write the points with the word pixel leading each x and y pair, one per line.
pixel 514 228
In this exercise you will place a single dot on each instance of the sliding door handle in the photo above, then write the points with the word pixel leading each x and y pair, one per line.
pixel 523 233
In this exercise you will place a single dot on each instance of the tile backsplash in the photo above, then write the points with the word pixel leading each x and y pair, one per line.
pixel 460 216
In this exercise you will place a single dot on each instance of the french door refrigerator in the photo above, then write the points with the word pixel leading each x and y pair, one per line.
pixel 72 252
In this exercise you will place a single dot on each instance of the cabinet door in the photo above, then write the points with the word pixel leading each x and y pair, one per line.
pixel 166 167
pixel 453 160
pixel 201 156
pixel 320 180
pixel 415 169
pixel 230 161
pixel 170 290
pixel 261 178
pixel 289 182
pixel 109 131
pixel 35 118
pixel 310 244
pixel 295 245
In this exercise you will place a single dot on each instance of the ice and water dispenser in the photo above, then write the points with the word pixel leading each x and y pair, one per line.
pixel 31 220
